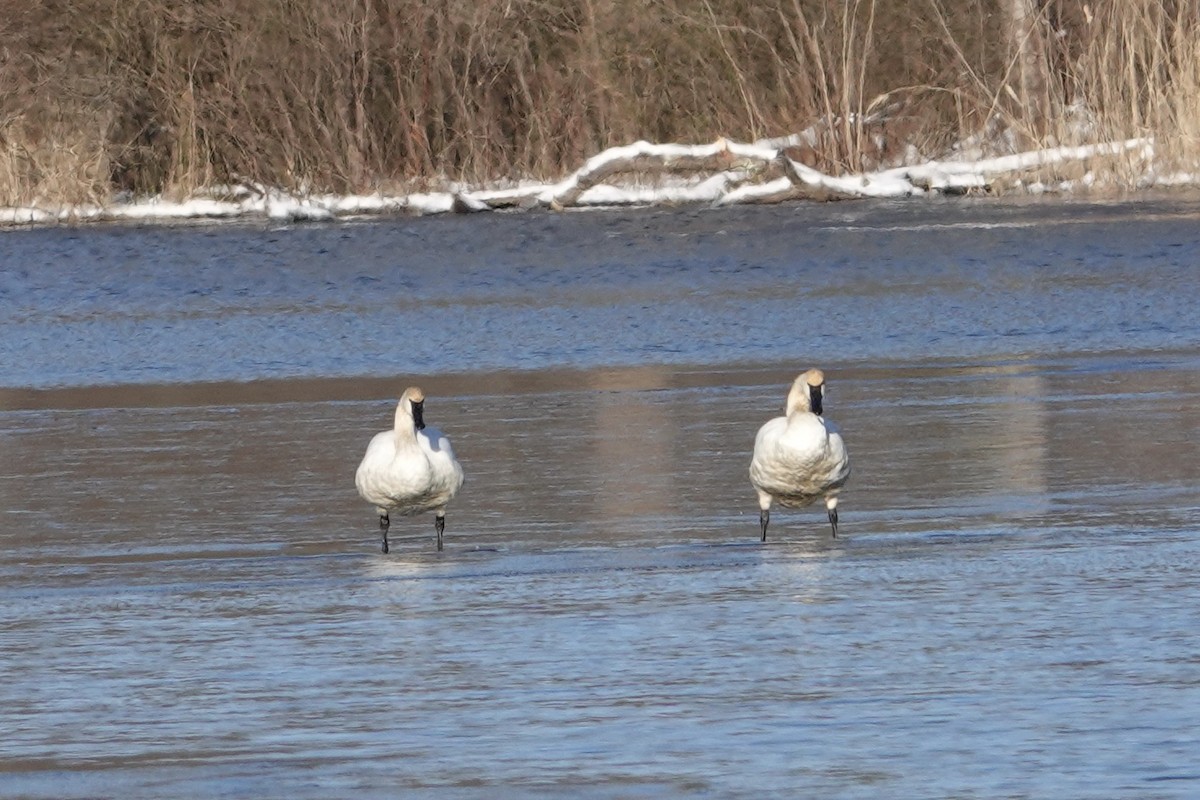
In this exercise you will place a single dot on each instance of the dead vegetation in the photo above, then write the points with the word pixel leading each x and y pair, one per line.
pixel 155 97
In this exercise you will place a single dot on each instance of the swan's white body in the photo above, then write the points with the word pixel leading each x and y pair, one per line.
pixel 410 469
pixel 801 457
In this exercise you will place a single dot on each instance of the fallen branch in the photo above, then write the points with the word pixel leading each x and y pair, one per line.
pixel 721 173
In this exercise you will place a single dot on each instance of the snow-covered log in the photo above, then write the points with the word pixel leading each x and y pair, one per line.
pixel 720 173
pixel 644 158
pixel 949 175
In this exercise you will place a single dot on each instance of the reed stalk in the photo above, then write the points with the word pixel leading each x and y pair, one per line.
pixel 152 96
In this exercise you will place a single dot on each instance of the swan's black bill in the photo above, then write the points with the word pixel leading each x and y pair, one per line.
pixel 419 415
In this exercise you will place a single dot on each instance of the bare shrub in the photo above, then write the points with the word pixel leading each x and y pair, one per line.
pixel 56 114
pixel 151 96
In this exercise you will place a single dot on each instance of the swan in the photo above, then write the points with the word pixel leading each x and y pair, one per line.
pixel 410 469
pixel 800 457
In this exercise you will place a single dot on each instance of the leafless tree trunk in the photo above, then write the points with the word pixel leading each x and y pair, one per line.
pixel 1028 67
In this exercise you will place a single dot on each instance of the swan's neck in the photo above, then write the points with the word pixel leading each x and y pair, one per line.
pixel 405 427
pixel 805 399
pixel 798 400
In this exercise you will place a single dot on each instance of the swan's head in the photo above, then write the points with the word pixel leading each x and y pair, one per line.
pixel 412 403
pixel 808 390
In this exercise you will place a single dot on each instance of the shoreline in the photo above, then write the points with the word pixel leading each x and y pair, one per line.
pixel 720 174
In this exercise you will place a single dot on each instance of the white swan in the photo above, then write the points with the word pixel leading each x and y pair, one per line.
pixel 800 457
pixel 410 469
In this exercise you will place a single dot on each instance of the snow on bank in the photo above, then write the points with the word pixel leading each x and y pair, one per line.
pixel 721 173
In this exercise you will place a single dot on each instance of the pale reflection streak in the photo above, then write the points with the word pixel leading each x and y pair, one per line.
pixel 1019 454
pixel 632 454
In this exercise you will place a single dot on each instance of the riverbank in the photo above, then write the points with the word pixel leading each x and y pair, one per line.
pixel 297 109
pixel 722 173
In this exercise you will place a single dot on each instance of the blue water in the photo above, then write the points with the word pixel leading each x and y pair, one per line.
pixel 193 602
pixel 837 282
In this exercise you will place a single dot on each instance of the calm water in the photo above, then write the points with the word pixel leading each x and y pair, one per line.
pixel 192 601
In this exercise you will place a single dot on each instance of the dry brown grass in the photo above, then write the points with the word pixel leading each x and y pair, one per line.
pixel 150 96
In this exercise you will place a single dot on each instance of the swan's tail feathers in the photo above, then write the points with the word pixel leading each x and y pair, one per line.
pixel 439 524
pixel 764 517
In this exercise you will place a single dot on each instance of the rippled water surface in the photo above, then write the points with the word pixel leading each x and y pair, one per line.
pixel 833 283
pixel 193 602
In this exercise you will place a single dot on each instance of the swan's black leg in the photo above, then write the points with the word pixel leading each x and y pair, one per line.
pixel 440 525
pixel 833 520
pixel 763 518
pixel 384 522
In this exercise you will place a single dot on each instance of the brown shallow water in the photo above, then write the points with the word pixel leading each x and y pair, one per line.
pixel 193 602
